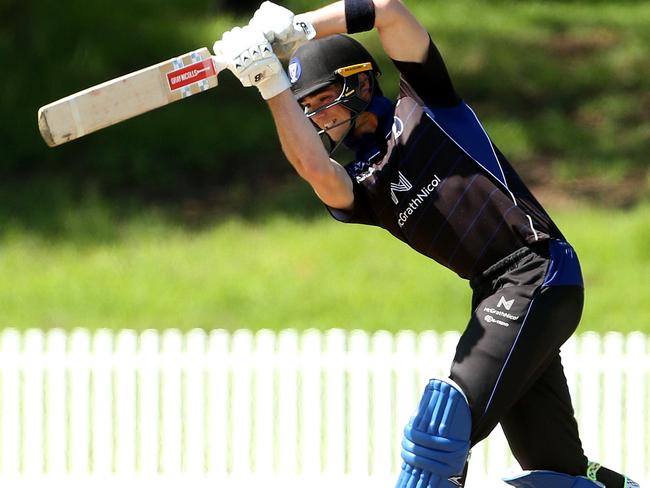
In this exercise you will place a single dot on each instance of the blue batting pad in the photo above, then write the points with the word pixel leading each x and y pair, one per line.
pixel 436 440
pixel 550 479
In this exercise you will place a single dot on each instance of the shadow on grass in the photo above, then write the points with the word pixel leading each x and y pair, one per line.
pixel 55 210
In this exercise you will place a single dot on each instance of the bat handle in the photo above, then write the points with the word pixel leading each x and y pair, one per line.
pixel 220 63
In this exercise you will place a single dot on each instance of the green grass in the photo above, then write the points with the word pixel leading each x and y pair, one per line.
pixel 146 273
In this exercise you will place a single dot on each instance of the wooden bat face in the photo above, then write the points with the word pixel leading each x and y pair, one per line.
pixel 127 96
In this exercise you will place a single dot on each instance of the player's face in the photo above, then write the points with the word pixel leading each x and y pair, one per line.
pixel 336 119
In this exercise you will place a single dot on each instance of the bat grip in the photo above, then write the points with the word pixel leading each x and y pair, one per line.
pixel 220 63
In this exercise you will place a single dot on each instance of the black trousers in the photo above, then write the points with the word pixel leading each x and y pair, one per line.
pixel 508 362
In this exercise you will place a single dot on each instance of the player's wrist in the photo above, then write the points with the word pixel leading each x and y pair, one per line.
pixel 359 15
pixel 304 28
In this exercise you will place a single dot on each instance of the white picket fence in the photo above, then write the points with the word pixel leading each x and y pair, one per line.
pixel 284 409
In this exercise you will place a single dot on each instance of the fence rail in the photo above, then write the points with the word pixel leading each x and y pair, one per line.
pixel 280 406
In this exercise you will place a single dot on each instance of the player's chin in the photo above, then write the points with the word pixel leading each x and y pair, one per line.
pixel 338 130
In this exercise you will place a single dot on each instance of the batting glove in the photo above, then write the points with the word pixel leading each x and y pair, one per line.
pixel 248 54
pixel 284 30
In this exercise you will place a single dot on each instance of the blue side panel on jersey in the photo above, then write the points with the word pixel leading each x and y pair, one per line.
pixel 564 267
pixel 463 126
pixel 550 479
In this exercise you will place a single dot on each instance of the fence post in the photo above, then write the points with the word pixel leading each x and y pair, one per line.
pixel 612 388
pixel 78 402
pixel 55 402
pixel 359 439
pixel 32 420
pixel 126 400
pixel 11 431
pixel 311 401
pixel 637 423
pixel 102 402
pixel 242 349
pixel 288 402
pixel 149 403
pixel 334 402
pixel 219 454
pixel 589 394
pixel 171 439
pixel 429 351
pixel 405 388
pixel 264 406
pixel 193 404
pixel 381 404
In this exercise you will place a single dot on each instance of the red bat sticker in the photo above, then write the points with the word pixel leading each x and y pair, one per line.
pixel 190 74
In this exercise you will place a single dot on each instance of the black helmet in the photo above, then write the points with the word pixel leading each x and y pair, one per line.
pixel 321 62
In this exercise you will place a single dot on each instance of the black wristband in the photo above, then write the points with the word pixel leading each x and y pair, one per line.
pixel 359 15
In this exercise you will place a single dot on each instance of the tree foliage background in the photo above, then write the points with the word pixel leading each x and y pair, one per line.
pixel 562 87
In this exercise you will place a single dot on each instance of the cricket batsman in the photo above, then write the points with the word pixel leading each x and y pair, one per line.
pixel 426 171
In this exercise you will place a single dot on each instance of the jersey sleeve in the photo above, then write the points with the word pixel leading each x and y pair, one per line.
pixel 428 81
pixel 360 213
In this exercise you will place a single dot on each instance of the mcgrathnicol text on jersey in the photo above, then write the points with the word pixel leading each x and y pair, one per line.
pixel 422 194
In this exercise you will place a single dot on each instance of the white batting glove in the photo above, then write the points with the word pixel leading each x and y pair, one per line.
pixel 247 53
pixel 284 30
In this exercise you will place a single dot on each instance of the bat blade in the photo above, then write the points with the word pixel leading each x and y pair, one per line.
pixel 127 96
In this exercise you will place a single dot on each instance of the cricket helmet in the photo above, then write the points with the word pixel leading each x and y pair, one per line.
pixel 322 62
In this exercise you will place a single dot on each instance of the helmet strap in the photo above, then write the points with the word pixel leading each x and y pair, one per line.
pixel 350 98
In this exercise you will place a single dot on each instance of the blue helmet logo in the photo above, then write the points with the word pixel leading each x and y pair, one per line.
pixel 295 70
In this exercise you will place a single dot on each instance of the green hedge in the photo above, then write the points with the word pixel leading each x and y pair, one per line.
pixel 563 83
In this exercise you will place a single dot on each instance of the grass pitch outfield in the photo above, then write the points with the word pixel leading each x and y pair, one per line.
pixel 288 273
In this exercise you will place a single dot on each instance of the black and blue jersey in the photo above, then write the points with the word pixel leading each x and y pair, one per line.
pixel 438 182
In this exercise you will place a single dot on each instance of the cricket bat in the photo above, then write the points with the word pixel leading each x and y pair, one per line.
pixel 127 96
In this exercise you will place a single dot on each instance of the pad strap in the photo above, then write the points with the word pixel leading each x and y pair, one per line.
pixel 359 15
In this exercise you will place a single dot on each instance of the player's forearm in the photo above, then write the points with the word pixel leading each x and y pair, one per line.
pixel 305 152
pixel 328 20
pixel 401 35
pixel 298 138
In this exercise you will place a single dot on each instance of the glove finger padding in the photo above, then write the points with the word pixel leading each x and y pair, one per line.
pixel 282 28
pixel 274 21
pixel 248 54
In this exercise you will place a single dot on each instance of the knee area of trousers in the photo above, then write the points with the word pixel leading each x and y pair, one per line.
pixel 437 439
pixel 550 479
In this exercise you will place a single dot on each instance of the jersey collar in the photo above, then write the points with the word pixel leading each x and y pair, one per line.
pixel 370 146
